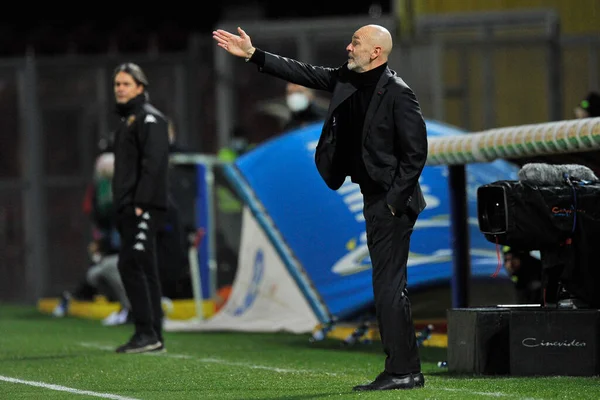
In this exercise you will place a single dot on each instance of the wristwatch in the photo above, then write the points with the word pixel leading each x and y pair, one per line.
pixel 248 58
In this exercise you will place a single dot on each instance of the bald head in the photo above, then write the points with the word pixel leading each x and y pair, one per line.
pixel 379 36
pixel 371 46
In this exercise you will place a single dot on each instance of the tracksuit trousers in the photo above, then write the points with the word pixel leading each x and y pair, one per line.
pixel 138 268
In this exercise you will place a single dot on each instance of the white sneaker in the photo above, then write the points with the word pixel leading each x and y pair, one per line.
pixel 62 308
pixel 116 318
pixel 59 311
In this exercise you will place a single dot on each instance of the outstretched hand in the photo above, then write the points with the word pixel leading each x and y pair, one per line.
pixel 238 45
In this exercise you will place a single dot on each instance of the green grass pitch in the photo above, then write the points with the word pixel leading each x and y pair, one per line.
pixel 46 358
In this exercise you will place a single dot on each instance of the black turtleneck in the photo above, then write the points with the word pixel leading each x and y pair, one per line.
pixel 352 119
pixel 132 106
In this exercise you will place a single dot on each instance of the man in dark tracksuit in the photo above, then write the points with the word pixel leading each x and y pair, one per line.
pixel 375 133
pixel 141 147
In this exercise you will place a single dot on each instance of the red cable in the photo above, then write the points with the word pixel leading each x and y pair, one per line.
pixel 499 266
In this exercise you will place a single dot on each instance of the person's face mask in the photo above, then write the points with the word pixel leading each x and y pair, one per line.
pixel 297 101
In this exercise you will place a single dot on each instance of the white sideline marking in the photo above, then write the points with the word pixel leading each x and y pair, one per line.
pixel 491 394
pixel 64 389
pixel 287 370
pixel 218 361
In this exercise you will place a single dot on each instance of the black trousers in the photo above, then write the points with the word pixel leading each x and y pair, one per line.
pixel 138 268
pixel 388 240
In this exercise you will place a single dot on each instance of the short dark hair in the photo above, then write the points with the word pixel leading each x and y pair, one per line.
pixel 135 71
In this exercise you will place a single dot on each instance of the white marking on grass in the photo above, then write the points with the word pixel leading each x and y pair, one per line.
pixel 491 394
pixel 288 370
pixel 263 367
pixel 218 361
pixel 98 346
pixel 60 388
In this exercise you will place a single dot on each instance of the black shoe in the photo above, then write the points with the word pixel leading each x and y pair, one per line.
pixel 140 343
pixel 419 380
pixel 386 381
pixel 160 349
